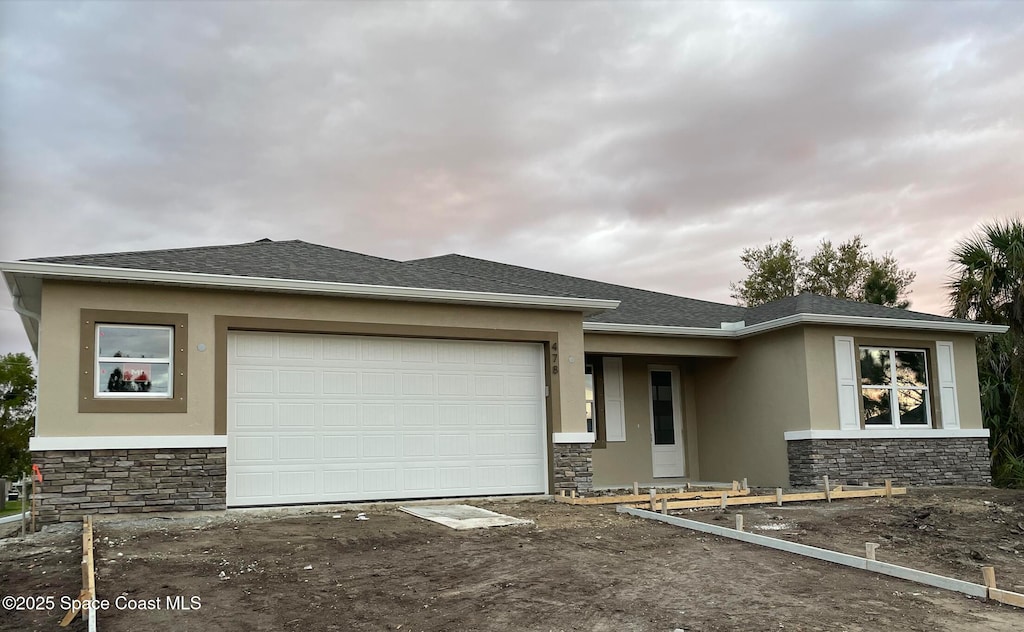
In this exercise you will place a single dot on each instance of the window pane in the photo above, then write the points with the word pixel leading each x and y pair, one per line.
pixel 134 342
pixel 913 407
pixel 911 368
pixel 661 396
pixel 588 381
pixel 874 366
pixel 877 409
pixel 134 377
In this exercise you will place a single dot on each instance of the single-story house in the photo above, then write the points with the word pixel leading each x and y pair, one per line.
pixel 280 372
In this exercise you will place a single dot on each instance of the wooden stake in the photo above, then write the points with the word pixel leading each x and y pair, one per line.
pixel 725 500
pixel 561 493
pixel 988 574
pixel 664 506
pixel 735 486
pixel 888 488
pixel 688 486
pixel 828 490
pixel 654 497
pixel 744 485
pixel 739 522
pixel 869 550
pixel 573 493
pixel 636 488
pixel 778 495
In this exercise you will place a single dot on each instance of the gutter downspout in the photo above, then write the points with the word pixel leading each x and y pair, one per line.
pixel 27 313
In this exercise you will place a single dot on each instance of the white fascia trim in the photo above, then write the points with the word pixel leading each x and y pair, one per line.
pixel 889 433
pixel 866 321
pixel 37 444
pixel 658 330
pixel 573 437
pixel 65 271
pixel 789 321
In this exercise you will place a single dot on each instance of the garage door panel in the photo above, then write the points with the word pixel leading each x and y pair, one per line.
pixel 292 447
pixel 251 449
pixel 319 418
pixel 337 447
pixel 340 415
pixel 378 384
pixel 489 385
pixel 378 446
pixel 377 415
pixel 341 481
pixel 340 383
pixel 418 479
pixel 379 480
pixel 254 381
pixel 453 385
pixel 454 445
pixel 418 415
pixel 254 415
pixel 418 384
pixel 489 415
pixel 293 415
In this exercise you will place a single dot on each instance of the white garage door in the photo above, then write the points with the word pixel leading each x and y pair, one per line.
pixel 327 418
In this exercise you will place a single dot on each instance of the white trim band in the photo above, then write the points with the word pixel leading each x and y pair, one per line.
pixel 735 331
pixel 38 444
pixel 65 271
pixel 889 433
pixel 573 437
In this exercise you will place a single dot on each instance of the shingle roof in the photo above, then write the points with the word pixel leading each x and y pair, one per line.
pixel 311 262
pixel 637 307
pixel 295 260
pixel 814 304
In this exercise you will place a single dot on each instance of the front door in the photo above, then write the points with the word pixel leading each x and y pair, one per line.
pixel 666 422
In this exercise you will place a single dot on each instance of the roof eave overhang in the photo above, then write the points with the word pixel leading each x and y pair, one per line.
pixel 790 321
pixel 59 271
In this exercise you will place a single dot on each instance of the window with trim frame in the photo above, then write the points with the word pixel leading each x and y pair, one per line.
pixel 133 362
pixel 894 387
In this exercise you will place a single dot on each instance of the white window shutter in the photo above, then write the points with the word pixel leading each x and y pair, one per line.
pixel 947 385
pixel 846 383
pixel 614 411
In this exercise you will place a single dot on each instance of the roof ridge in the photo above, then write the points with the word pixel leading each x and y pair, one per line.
pixel 616 285
pixel 477 276
pixel 160 250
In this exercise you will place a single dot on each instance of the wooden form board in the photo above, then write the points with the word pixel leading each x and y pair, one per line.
pixel 883 568
pixel 88 592
pixel 646 498
pixel 833 494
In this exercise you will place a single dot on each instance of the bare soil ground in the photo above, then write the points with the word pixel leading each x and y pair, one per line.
pixel 577 568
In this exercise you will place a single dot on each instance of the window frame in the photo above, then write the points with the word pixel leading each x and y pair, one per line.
pixel 596 363
pixel 168 359
pixel 892 346
pixel 90 400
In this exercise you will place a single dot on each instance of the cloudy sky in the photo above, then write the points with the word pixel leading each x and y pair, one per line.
pixel 644 144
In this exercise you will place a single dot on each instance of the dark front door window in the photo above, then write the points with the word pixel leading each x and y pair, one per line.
pixel 661 400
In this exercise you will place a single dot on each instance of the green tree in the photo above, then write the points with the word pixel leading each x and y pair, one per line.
pixel 988 286
pixel 774 273
pixel 17 412
pixel 848 271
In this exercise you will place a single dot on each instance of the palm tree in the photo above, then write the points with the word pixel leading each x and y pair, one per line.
pixel 988 286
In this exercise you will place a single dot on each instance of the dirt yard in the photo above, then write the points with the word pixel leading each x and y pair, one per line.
pixel 577 568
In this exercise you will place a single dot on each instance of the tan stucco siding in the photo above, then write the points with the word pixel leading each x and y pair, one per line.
pixel 618 344
pixel 745 405
pixel 59 347
pixel 625 462
pixel 820 349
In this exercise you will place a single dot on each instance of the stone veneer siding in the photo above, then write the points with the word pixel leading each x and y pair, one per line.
pixel 574 467
pixel 938 461
pixel 79 482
